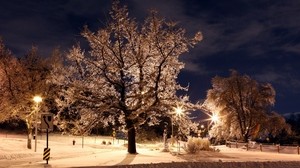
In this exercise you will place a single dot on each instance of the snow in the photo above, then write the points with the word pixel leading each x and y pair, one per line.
pixel 90 152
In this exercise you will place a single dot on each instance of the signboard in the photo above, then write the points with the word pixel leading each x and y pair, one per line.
pixel 46 155
pixel 47 121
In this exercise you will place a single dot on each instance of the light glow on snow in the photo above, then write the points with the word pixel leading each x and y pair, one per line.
pixel 89 151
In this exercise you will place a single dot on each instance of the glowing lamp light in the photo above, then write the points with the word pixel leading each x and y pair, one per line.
pixel 214 118
pixel 37 99
pixel 178 110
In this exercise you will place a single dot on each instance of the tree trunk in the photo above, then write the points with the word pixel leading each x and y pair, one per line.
pixel 131 137
pixel 29 136
pixel 246 136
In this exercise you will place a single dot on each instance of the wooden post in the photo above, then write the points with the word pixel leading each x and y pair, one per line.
pixel 260 147
pixel 278 148
pixel 82 143
pixel 247 145
pixel 236 144
pixel 298 149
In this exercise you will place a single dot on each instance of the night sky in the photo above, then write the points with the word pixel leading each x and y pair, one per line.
pixel 260 38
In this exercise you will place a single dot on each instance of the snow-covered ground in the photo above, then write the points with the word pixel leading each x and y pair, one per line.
pixel 90 152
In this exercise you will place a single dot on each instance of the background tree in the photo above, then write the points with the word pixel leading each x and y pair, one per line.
pixel 274 128
pixel 8 63
pixel 242 103
pixel 23 79
pixel 129 74
pixel 294 121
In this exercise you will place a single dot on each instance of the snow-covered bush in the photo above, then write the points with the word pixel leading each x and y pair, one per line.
pixel 194 145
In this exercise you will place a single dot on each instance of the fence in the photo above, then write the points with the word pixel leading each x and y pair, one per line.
pixel 253 146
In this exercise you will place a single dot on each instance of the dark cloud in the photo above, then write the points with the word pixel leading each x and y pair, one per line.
pixel 48 24
pixel 259 38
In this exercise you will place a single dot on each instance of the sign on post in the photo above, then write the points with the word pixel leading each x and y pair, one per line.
pixel 46 155
pixel 47 121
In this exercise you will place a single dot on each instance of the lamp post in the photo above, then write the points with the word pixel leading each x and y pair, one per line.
pixel 202 131
pixel 37 100
pixel 215 119
pixel 178 112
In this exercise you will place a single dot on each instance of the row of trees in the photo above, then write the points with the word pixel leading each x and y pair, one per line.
pixel 127 77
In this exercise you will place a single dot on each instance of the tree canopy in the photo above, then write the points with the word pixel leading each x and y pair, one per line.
pixel 128 75
pixel 242 103
pixel 21 79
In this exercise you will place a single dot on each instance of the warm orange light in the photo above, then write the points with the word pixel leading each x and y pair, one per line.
pixel 214 118
pixel 178 111
pixel 37 99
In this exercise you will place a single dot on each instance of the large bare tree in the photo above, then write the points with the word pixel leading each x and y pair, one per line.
pixel 129 74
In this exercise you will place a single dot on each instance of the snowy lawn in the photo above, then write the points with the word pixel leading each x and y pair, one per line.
pixel 90 152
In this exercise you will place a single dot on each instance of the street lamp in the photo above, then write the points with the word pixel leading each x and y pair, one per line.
pixel 202 131
pixel 37 100
pixel 178 112
pixel 215 118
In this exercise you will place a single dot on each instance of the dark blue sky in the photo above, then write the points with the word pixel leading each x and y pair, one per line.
pixel 260 38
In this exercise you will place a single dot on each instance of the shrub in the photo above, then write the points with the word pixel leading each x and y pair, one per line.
pixel 103 142
pixel 194 145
